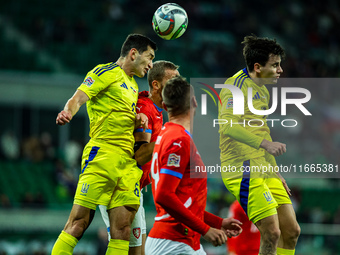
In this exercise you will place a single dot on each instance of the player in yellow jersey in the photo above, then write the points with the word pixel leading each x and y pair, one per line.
pixel 246 144
pixel 109 174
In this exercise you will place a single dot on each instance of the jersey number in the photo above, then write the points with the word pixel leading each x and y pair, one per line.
pixel 154 169
pixel 136 191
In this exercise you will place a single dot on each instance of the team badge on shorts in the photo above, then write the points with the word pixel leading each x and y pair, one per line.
pixel 268 197
pixel 174 160
pixel 136 232
pixel 88 81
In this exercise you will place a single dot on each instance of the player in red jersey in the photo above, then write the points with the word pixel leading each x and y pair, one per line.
pixel 248 242
pixel 149 103
pixel 179 192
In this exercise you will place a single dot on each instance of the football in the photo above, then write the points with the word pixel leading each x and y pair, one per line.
pixel 170 21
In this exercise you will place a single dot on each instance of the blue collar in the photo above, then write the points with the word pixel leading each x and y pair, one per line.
pixel 158 108
pixel 186 131
pixel 246 71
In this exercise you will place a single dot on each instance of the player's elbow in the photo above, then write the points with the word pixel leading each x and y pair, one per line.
pixel 143 152
pixel 163 199
pixel 139 158
pixel 142 159
pixel 227 130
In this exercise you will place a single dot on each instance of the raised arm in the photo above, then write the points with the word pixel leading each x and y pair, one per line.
pixel 71 107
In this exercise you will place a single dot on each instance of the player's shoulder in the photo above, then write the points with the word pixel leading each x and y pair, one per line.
pixel 143 99
pixel 106 70
pixel 145 105
pixel 176 130
pixel 240 80
pixel 175 133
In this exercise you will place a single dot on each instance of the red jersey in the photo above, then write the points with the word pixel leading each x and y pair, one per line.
pixel 155 120
pixel 248 242
pixel 179 192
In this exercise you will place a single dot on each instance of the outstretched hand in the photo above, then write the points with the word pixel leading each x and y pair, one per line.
pixel 141 121
pixel 273 148
pixel 215 236
pixel 231 227
pixel 63 118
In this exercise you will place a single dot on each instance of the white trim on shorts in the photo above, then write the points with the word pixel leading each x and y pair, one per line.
pixel 138 226
pixel 138 222
pixel 157 246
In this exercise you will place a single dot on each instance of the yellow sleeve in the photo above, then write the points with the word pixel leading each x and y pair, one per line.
pixel 237 131
pixel 240 134
pixel 93 84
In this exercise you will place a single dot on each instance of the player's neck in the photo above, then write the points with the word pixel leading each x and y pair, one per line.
pixel 183 120
pixel 127 68
pixel 258 81
pixel 155 98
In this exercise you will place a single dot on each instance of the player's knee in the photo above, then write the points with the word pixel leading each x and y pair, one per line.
pixel 76 227
pixel 271 235
pixel 297 231
pixel 121 229
pixel 292 234
pixel 121 232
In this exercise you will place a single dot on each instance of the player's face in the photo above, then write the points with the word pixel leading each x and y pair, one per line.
pixel 272 70
pixel 168 74
pixel 143 62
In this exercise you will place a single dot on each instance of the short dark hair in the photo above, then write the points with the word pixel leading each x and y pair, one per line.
pixel 176 95
pixel 157 72
pixel 137 41
pixel 257 50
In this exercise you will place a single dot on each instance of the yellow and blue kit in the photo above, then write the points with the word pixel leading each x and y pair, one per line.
pixel 259 193
pixel 109 175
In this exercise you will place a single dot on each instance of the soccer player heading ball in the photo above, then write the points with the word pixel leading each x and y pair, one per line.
pixel 149 103
pixel 109 174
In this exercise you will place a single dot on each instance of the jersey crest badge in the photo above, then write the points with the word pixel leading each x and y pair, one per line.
pixel 136 232
pixel 174 160
pixel 230 103
pixel 88 81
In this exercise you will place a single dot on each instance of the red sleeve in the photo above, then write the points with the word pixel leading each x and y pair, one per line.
pixel 213 220
pixel 171 203
pixel 173 164
pixel 143 108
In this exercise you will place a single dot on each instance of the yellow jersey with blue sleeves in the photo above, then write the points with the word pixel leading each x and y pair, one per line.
pixel 112 105
pixel 241 137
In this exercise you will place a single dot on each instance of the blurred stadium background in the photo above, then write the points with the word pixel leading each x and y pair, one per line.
pixel 47 47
